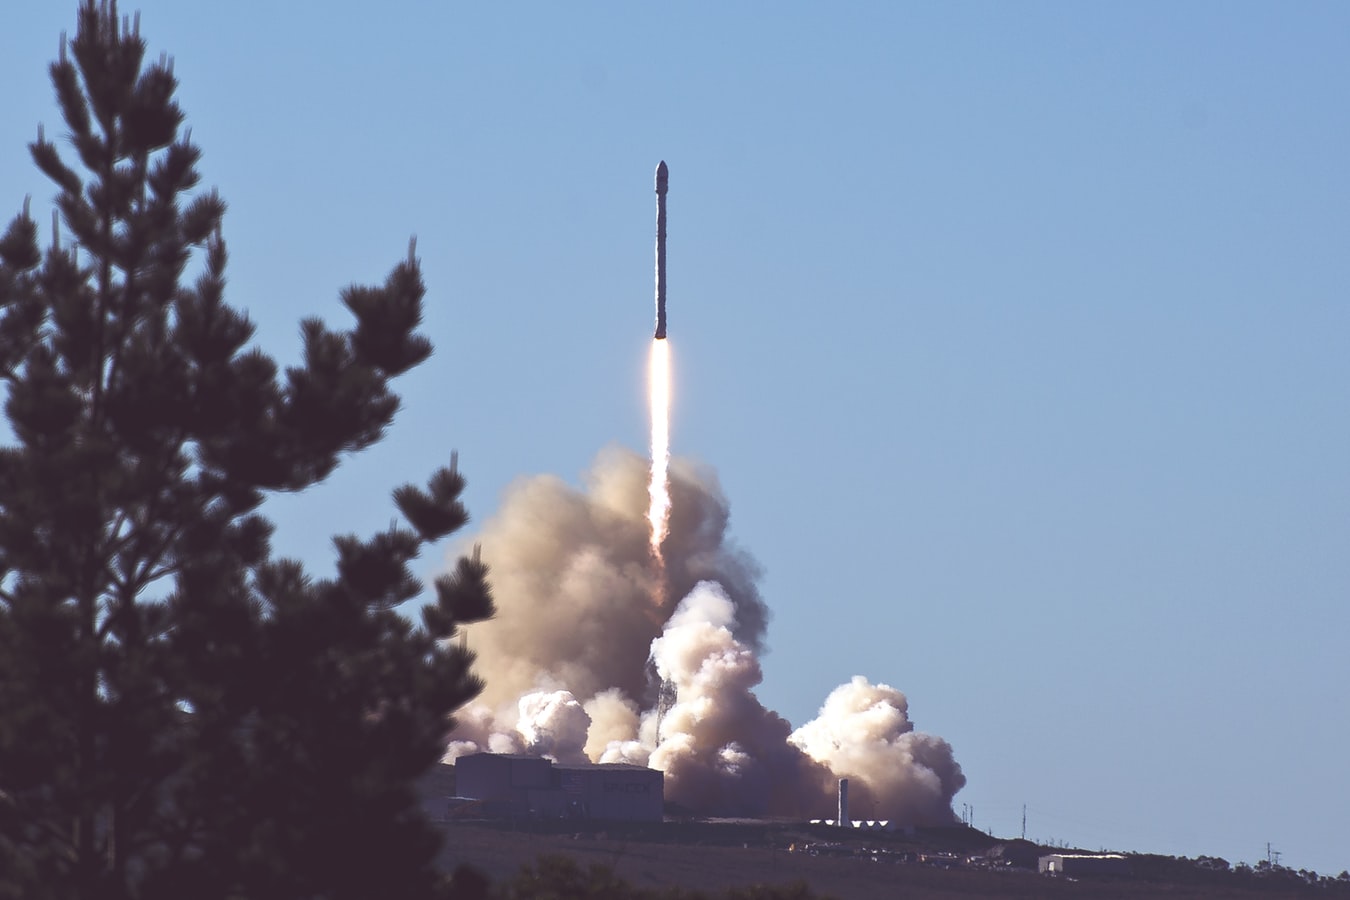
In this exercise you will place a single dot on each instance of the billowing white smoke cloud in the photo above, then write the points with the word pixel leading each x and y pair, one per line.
pixel 554 725
pixel 722 751
pixel 545 723
pixel 863 733
pixel 578 649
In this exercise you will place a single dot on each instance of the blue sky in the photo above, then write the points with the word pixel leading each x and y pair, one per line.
pixel 1017 334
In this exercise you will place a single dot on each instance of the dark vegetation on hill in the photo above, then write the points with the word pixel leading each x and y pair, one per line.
pixel 958 861
pixel 695 858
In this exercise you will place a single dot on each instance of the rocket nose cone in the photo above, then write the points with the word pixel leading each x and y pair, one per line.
pixel 662 174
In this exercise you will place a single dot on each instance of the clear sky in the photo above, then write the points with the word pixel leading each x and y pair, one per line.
pixel 1017 334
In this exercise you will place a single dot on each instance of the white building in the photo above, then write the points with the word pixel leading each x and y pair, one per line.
pixel 1084 864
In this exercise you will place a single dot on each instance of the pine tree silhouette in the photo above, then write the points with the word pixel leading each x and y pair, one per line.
pixel 181 713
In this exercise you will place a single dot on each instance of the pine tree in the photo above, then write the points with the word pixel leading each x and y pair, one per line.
pixel 182 714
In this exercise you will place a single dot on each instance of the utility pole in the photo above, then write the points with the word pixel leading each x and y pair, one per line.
pixel 1024 821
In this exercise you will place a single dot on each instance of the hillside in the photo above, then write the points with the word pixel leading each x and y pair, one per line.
pixel 957 862
pixel 938 863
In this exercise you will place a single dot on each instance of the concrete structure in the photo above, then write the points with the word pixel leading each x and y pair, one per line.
pixel 1084 864
pixel 527 785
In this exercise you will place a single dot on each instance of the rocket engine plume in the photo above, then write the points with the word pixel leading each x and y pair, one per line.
pixel 658 512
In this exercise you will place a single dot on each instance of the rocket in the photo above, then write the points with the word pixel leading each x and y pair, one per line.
pixel 662 180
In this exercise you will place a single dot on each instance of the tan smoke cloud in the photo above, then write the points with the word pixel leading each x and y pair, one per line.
pixel 614 720
pixel 572 576
pixel 577 651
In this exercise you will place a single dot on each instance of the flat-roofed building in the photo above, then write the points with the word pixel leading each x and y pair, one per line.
pixel 534 786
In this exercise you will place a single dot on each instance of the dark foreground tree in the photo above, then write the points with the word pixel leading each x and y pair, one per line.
pixel 181 714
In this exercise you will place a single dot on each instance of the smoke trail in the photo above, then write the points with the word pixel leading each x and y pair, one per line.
pixel 658 512
pixel 574 656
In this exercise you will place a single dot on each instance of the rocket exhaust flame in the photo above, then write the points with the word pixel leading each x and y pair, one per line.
pixel 658 512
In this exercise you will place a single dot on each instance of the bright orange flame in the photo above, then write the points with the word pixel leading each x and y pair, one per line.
pixel 658 514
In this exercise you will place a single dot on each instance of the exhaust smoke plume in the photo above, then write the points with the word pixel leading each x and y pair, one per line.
pixel 576 655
